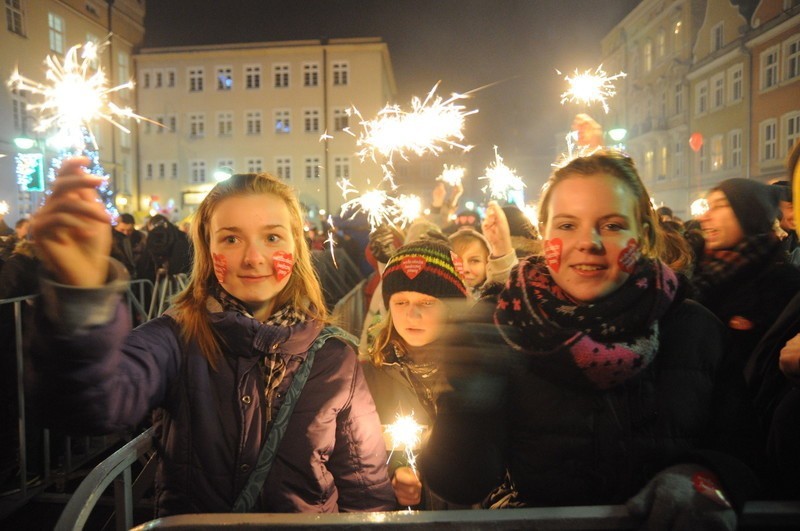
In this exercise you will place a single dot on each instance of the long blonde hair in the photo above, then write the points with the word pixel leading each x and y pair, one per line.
pixel 384 334
pixel 303 290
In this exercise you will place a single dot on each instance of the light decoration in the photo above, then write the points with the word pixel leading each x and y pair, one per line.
pixel 405 434
pixel 409 208
pixel 452 175
pixel 698 207
pixel 3 208
pixel 30 171
pixel 590 87
pixel 502 180
pixel 431 125
pixel 76 95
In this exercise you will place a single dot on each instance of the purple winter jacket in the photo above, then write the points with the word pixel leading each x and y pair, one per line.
pixel 211 424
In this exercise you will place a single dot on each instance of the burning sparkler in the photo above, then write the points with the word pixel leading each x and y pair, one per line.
pixel 409 208
pixel 452 175
pixel 77 93
pixel 3 208
pixel 502 179
pixel 430 124
pixel 590 87
pixel 405 433
pixel 698 207
pixel 378 206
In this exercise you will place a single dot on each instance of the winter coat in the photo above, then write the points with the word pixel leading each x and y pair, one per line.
pixel 210 424
pixel 566 443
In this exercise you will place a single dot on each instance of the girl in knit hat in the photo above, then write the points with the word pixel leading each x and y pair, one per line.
pixel 615 382
pixel 422 286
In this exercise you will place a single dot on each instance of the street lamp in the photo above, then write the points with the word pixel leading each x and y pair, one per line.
pixel 24 142
pixel 618 134
pixel 222 173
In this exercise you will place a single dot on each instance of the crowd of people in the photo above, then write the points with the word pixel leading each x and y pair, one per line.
pixel 610 354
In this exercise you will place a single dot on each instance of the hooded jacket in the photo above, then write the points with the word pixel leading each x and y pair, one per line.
pixel 211 423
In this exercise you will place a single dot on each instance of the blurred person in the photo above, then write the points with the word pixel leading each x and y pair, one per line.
pixel 615 388
pixel 789 238
pixel 422 287
pixel 474 250
pixel 259 406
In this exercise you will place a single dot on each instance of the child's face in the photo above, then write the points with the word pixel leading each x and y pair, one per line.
pixel 418 318
pixel 475 256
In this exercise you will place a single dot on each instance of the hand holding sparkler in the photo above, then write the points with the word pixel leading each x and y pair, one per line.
pixel 405 434
pixel 407 486
pixel 495 228
pixel 73 229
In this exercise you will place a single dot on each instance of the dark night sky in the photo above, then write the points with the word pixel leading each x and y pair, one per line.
pixel 464 43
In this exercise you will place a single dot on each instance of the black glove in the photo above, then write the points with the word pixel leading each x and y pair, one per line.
pixel 686 496
pixel 383 242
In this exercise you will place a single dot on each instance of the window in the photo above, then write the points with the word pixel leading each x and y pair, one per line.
pixel 701 97
pixel 162 170
pixel 341 73
pixel 312 167
pixel 769 68
pixel 171 76
pixel 341 119
pixel 791 54
pixel 197 171
pixel 791 131
pixel 647 56
pixel 172 123
pixel 19 111
pixel 676 36
pixel 56 32
pixel 282 121
pixel 768 141
pixel 648 164
pixel 735 148
pixel 224 78
pixel 123 67
pixel 148 171
pixel 255 165
pixel 716 153
pixel 735 84
pixel 702 160
pixel 678 98
pixel 283 167
pixel 280 75
pixel 196 79
pixel 159 129
pixel 677 159
pixel 310 74
pixel 197 125
pixel 717 91
pixel 717 37
pixel 146 75
pixel 341 167
pixel 158 78
pixel 661 43
pixel 224 123
pixel 14 17
pixel 252 77
pixel 311 120
pixel 173 173
pixel 662 164
pixel 225 165
pixel 252 122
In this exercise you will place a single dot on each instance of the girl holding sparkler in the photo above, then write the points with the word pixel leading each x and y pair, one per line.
pixel 259 405
pixel 422 286
pixel 616 384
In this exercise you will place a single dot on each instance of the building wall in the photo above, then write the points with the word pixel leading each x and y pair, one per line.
pixel 27 50
pixel 369 87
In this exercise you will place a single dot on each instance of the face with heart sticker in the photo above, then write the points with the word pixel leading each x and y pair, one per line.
pixel 282 263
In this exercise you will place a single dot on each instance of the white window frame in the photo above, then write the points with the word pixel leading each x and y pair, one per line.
pixel 195 76
pixel 791 58
pixel 768 140
pixel 341 167
pixel 224 77
pixel 735 84
pixel 701 98
pixel 341 73
pixel 735 148
pixel 661 43
pixel 15 17
pixel 282 121
pixel 790 130
pixel 171 76
pixel 717 153
pixel 311 167
pixel 253 121
pixel 197 171
pixel 254 164
pixel 717 92
pixel 173 172
pixel 717 36
pixel 197 125
pixel 647 55
pixel 56 32
pixel 310 74
pixel 145 76
pixel 123 67
pixel 311 120
pixel 678 98
pixel 148 171
pixel 768 73
pixel 281 75
pixel 341 118
pixel 677 159
pixel 283 168
pixel 172 123
pixel 252 77
pixel 224 123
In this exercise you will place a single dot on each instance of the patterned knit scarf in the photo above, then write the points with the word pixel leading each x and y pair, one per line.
pixel 718 267
pixel 272 363
pixel 609 341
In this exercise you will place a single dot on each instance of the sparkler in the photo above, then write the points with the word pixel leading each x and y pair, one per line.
pixel 590 87
pixel 698 207
pixel 3 208
pixel 409 208
pixel 501 179
pixel 76 94
pixel 378 206
pixel 452 175
pixel 430 125
pixel 405 433
pixel 330 240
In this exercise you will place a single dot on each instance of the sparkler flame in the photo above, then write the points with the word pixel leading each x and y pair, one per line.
pixel 698 207
pixel 405 433
pixel 378 206
pixel 428 127
pixel 75 95
pixel 409 208
pixel 591 87
pixel 452 175
pixel 501 179
pixel 3 208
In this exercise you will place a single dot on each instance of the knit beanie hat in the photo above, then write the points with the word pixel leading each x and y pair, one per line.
pixel 518 223
pixel 426 267
pixel 755 204
pixel 469 232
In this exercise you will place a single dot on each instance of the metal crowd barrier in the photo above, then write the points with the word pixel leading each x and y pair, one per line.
pixel 349 312
pixel 71 461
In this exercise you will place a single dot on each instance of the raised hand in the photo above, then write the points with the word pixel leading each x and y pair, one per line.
pixel 495 228
pixel 73 229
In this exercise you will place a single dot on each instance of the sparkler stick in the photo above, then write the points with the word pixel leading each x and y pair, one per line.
pixel 75 95
pixel 501 179
pixel 590 87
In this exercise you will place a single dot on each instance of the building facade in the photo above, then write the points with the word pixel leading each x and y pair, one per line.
pixel 281 107
pixel 35 29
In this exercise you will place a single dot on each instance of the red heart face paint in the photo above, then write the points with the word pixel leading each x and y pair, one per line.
pixel 282 263
pixel 552 253
pixel 458 263
pixel 629 256
pixel 220 266
pixel 412 266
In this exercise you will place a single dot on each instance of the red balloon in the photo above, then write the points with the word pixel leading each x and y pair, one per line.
pixel 696 142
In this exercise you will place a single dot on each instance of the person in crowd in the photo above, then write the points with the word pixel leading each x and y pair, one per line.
pixel 677 251
pixel 8 242
pixel 474 250
pixel 422 286
pixel 259 406
pixel 615 388
pixel 788 235
pixel 743 276
pixel 128 244
pixel 126 224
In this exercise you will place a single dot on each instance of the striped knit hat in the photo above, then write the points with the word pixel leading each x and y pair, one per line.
pixel 425 267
